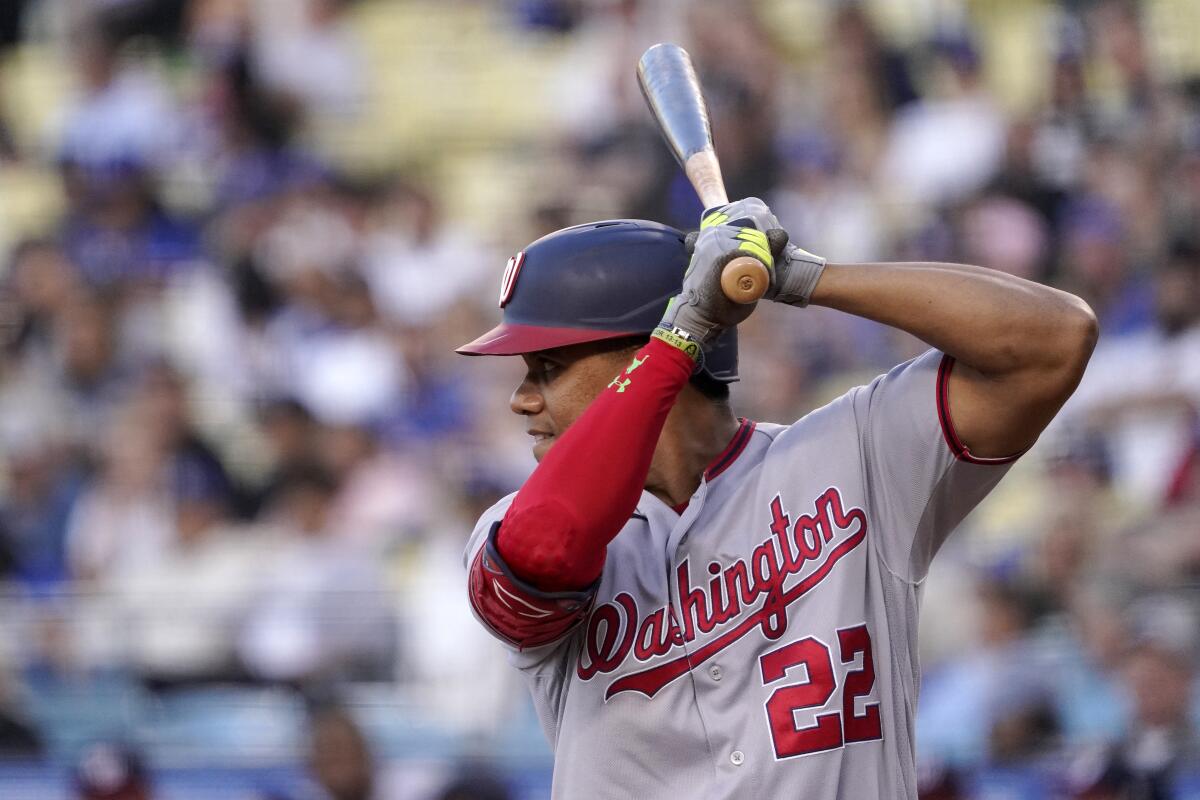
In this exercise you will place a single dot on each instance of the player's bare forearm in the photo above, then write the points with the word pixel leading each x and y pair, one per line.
pixel 1020 347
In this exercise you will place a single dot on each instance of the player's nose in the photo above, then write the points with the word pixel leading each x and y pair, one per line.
pixel 526 400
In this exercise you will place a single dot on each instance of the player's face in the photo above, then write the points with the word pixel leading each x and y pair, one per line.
pixel 559 384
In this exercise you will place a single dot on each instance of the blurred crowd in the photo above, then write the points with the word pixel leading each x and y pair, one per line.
pixel 237 450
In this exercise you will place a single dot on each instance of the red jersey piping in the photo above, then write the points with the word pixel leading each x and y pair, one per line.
pixel 731 452
pixel 955 444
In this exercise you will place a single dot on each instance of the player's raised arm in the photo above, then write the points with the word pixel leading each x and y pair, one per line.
pixel 1020 347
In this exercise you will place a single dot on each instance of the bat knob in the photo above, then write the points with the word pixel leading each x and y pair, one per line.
pixel 745 280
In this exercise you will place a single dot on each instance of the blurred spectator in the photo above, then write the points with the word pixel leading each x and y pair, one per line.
pixel 1080 660
pixel 1029 184
pixel 347 371
pixel 11 17
pixel 324 346
pixel 439 398
pixel 591 90
pixel 108 771
pixel 1096 266
pixel 255 155
pixel 442 650
pixel 1057 142
pixel 1005 234
pixel 825 207
pixel 339 757
pixel 1142 390
pixel 122 521
pixel 1095 776
pixel 124 114
pixel 1162 741
pixel 951 141
pixel 1177 290
pixel 183 606
pixel 857 45
pixel 937 782
pixel 319 609
pixel 8 143
pixel 739 77
pixel 161 20
pixel 1160 673
pixel 118 232
pixel 408 240
pixel 19 736
pixel 58 379
pixel 40 287
pixel 160 402
pixel 382 498
pixel 1133 102
pixel 475 784
pixel 992 685
pixel 852 89
pixel 311 54
pixel 88 375
pixel 43 481
pixel 289 433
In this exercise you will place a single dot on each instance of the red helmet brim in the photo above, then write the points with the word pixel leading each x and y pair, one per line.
pixel 508 339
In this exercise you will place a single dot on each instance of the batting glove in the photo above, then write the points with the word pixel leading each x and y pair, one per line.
pixel 795 276
pixel 700 312
pixel 796 273
pixel 748 213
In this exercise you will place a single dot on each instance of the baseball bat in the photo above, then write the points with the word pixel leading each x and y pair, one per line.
pixel 672 91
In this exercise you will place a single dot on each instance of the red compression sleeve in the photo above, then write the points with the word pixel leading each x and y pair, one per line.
pixel 555 532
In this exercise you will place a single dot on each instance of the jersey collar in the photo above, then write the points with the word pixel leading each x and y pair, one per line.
pixel 732 450
pixel 725 460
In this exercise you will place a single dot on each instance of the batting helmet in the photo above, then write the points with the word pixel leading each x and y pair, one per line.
pixel 602 280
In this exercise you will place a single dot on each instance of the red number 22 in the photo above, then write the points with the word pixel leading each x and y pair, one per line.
pixel 832 729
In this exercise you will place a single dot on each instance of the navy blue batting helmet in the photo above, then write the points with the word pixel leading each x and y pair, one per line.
pixel 602 280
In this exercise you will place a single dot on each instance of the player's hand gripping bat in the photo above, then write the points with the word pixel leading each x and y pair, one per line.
pixel 672 91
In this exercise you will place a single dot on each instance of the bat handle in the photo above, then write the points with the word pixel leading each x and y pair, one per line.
pixel 745 279
pixel 704 172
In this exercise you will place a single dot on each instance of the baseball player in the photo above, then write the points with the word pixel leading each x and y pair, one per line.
pixel 710 607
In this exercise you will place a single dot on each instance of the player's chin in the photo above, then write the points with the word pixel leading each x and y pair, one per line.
pixel 540 446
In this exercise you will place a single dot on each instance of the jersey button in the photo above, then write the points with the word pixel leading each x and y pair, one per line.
pixel 737 758
pixel 714 672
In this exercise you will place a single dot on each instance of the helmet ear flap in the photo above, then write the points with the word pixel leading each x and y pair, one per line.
pixel 721 358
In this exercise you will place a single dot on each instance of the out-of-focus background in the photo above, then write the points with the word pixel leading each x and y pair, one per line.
pixel 239 460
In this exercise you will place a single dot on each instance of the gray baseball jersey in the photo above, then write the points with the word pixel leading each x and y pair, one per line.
pixel 763 643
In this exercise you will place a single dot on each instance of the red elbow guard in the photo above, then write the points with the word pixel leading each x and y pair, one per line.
pixel 516 611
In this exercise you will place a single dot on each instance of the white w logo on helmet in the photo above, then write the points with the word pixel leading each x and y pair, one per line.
pixel 509 281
